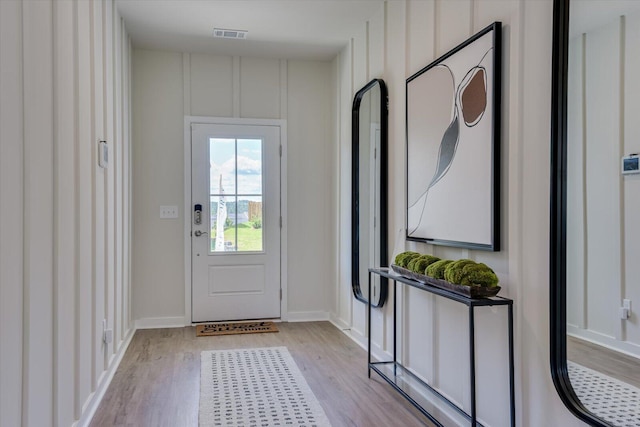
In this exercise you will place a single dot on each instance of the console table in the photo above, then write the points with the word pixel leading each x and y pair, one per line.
pixel 407 383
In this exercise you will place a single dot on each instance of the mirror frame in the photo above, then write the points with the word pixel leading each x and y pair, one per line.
pixel 355 190
pixel 558 220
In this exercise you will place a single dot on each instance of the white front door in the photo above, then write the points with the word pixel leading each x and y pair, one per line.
pixel 235 224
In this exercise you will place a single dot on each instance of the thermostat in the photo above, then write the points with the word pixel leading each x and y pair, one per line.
pixel 630 164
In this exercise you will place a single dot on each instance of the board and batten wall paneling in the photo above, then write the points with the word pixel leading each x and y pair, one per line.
pixel 308 135
pixel 260 88
pixel 126 73
pixel 168 85
pixel 119 330
pixel 602 101
pixel 359 77
pixel 158 176
pixel 420 25
pixel 99 175
pixel 109 120
pixel 420 309
pixel 57 100
pixel 334 159
pixel 376 54
pixel 376 36
pixel 84 325
pixel 344 313
pixel 211 83
pixel 395 73
pixel 37 45
pixel 577 280
pixel 11 214
pixel 65 213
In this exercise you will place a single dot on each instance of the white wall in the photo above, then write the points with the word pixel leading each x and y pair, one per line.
pixel 64 83
pixel 406 36
pixel 168 86
pixel 603 204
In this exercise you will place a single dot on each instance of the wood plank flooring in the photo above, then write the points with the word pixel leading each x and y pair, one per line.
pixel 158 380
pixel 616 365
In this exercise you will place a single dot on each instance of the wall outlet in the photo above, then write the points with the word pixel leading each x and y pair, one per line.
pixel 168 212
pixel 624 313
pixel 107 334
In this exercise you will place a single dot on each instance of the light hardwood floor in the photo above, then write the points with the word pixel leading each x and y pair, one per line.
pixel 617 365
pixel 158 380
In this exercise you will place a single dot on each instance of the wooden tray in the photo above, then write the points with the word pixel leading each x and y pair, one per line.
pixel 467 291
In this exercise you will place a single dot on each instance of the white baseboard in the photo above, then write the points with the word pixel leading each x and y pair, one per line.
pixel 626 347
pixel 359 338
pixel 160 322
pixel 307 316
pixel 91 406
pixel 338 322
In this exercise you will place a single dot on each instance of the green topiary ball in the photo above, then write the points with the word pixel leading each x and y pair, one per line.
pixel 454 272
pixel 436 270
pixel 400 257
pixel 402 260
pixel 412 262
pixel 479 274
pixel 421 263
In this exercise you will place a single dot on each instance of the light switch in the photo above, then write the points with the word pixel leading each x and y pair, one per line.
pixel 168 212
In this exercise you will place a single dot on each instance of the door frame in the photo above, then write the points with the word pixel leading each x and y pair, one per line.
pixel 282 124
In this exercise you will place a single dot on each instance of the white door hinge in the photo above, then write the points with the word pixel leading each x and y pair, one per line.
pixel 280 222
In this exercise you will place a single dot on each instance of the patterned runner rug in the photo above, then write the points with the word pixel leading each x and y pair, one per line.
pixel 610 399
pixel 257 387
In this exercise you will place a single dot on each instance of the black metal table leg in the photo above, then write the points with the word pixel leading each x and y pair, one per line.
pixel 369 327
pixel 395 322
pixel 472 365
pixel 512 392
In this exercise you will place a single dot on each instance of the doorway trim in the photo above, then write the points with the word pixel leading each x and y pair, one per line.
pixel 282 124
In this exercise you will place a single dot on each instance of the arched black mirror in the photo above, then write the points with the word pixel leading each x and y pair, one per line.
pixel 595 197
pixel 369 190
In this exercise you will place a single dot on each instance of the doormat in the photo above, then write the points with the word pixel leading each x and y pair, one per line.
pixel 610 399
pixel 256 387
pixel 212 329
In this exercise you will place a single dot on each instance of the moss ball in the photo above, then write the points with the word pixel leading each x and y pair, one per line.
pixel 399 259
pixel 479 274
pixel 406 258
pixel 470 273
pixel 436 270
pixel 454 272
pixel 421 263
pixel 412 262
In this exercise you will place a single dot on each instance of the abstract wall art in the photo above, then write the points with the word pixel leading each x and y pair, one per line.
pixel 453 146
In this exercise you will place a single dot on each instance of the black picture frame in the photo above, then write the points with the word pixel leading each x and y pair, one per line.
pixel 453 140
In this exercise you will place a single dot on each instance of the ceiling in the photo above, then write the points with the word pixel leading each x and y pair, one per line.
pixel 305 29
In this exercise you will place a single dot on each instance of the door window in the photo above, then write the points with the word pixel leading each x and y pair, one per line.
pixel 236 195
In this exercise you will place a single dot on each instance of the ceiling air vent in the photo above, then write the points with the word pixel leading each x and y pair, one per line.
pixel 229 34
